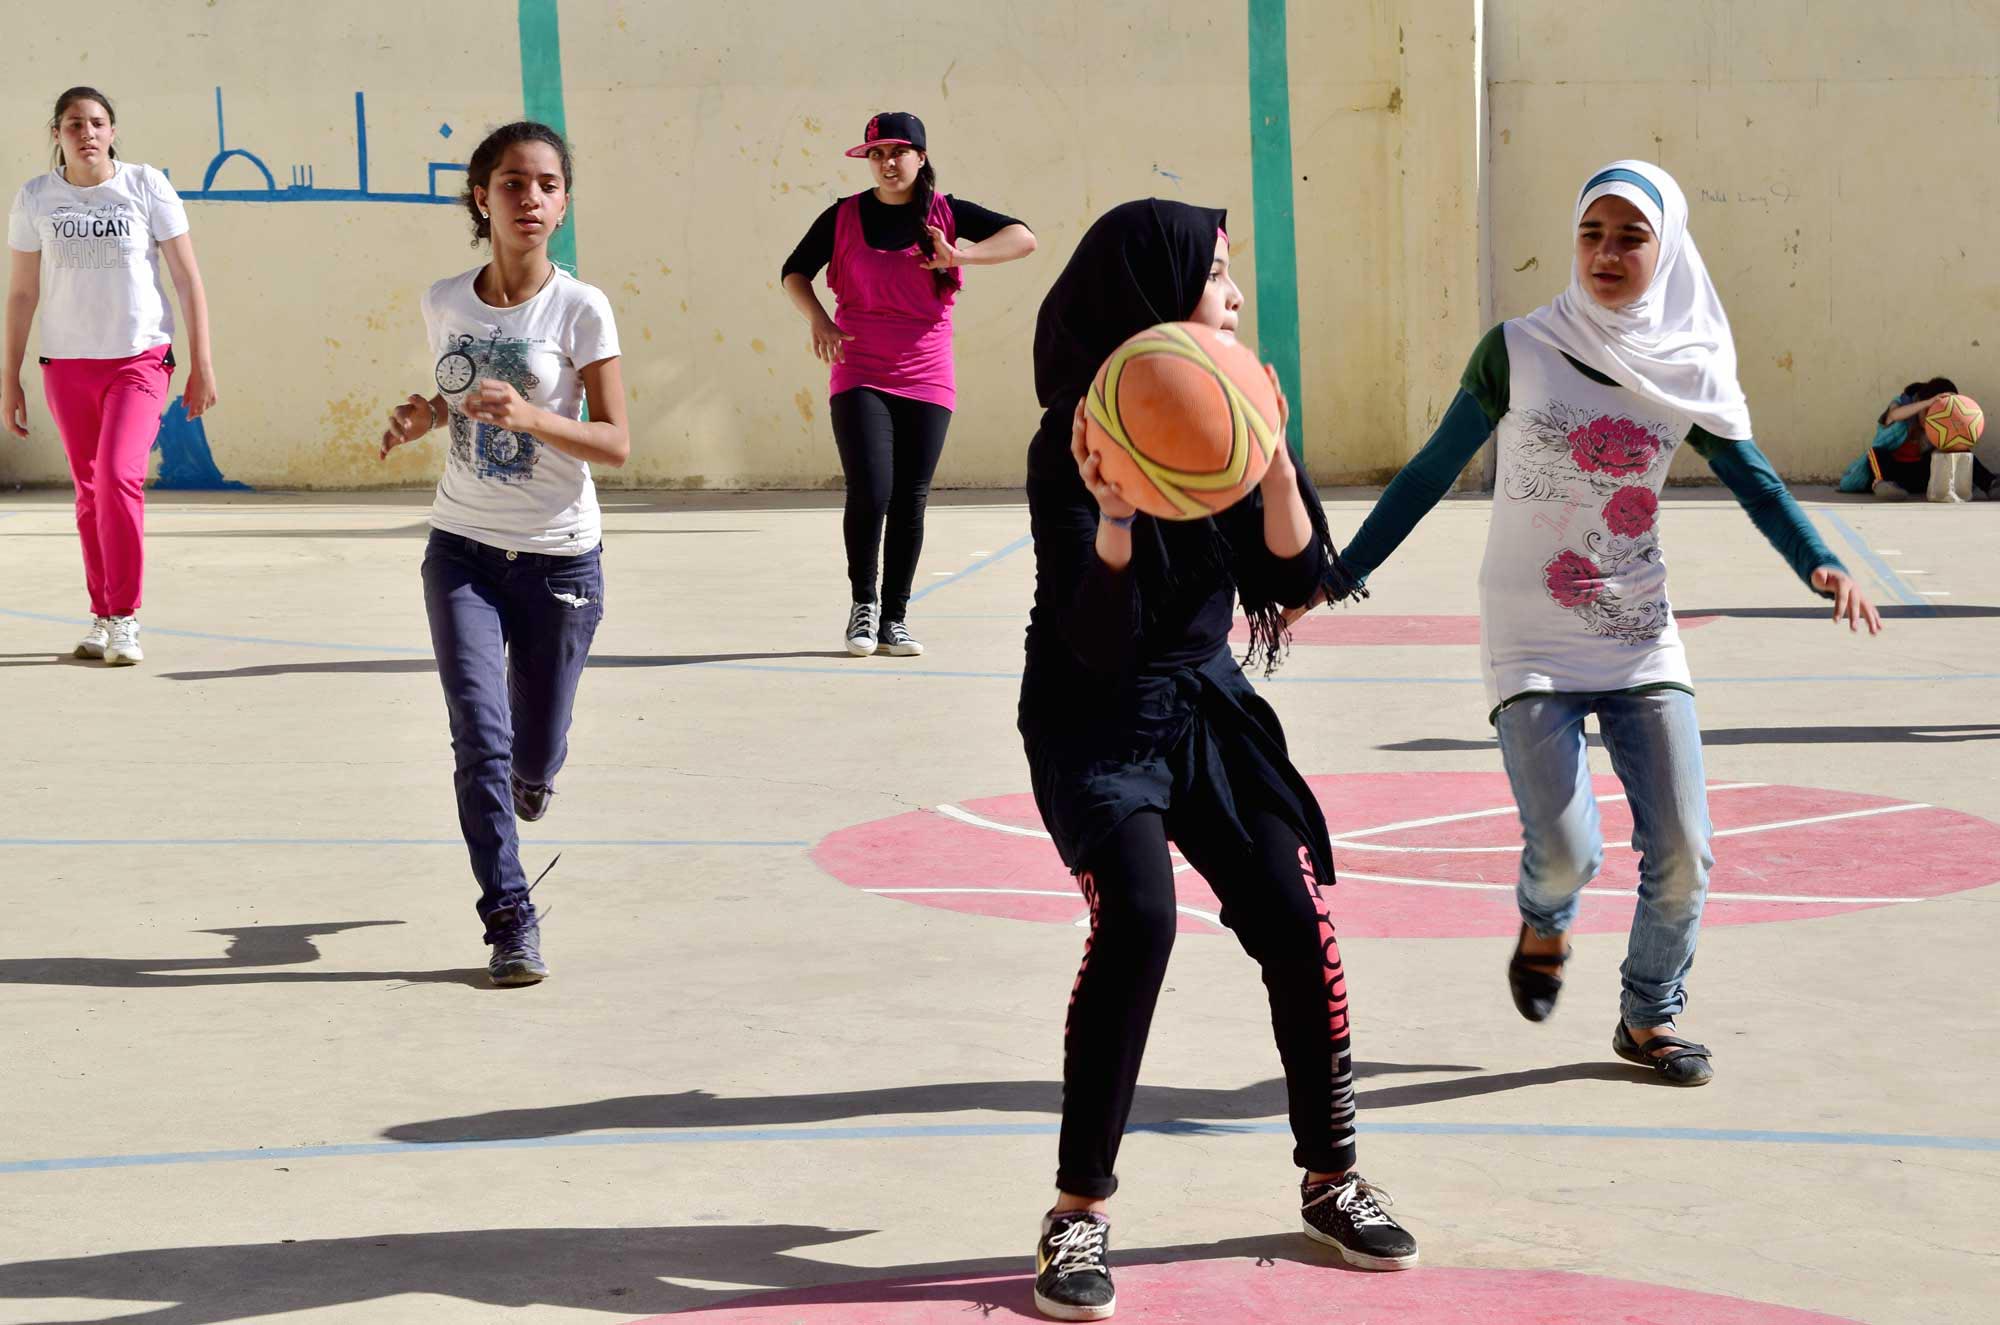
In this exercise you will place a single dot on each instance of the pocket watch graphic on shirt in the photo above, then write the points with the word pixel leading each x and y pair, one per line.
pixel 455 370
pixel 492 452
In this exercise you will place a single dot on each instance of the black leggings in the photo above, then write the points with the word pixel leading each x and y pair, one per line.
pixel 1915 475
pixel 1272 902
pixel 889 448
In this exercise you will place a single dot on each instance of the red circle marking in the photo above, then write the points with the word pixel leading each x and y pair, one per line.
pixel 1244 1289
pixel 1402 878
pixel 1370 628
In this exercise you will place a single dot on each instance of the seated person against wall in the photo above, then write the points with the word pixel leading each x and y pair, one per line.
pixel 1898 462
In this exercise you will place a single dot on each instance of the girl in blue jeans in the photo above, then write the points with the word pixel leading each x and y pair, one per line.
pixel 1587 398
pixel 512 576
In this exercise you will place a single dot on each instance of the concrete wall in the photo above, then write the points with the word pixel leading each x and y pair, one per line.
pixel 1435 147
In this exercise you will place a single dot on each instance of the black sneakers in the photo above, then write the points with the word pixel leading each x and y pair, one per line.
pixel 514 929
pixel 863 622
pixel 1349 1217
pixel 517 955
pixel 1072 1274
pixel 898 642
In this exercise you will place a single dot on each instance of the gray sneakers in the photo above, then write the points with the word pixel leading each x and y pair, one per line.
pixel 863 620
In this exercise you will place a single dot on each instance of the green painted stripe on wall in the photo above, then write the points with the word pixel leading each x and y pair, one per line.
pixel 1271 205
pixel 542 96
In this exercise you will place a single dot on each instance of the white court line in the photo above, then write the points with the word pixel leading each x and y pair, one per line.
pixel 968 817
pixel 1823 819
pixel 1620 892
pixel 1935 593
pixel 1627 846
pixel 1210 916
pixel 1503 809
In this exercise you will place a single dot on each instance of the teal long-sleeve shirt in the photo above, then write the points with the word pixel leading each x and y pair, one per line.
pixel 1481 401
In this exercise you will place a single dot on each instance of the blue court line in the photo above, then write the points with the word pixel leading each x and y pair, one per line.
pixel 227 639
pixel 537 842
pixel 1884 572
pixel 891 671
pixel 974 568
pixel 763 1135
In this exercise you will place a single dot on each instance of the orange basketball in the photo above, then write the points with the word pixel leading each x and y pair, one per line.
pixel 1183 420
pixel 1956 424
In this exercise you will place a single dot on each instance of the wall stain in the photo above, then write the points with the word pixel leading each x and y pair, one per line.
pixel 757 345
pixel 804 401
pixel 1529 265
pixel 1785 361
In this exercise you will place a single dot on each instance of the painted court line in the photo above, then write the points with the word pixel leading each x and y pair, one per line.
pixel 1434 820
pixel 1884 572
pixel 1628 895
pixel 974 568
pixel 1211 917
pixel 766 1135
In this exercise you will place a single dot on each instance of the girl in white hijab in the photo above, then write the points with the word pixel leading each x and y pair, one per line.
pixel 1588 397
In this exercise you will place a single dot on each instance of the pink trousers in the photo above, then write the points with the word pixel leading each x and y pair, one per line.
pixel 108 412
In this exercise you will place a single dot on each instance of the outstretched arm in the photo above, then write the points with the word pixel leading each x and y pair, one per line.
pixel 1765 499
pixel 1420 485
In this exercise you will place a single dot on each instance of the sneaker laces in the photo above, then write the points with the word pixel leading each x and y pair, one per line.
pixel 1080 1247
pixel 1360 1200
pixel 861 621
pixel 895 632
pixel 511 920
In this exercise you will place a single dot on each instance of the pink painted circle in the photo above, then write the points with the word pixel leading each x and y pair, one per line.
pixel 1257 1291
pixel 1434 855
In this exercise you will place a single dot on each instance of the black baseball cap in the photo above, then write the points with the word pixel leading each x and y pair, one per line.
pixel 891 126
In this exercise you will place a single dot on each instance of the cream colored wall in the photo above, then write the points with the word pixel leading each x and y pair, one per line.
pixel 707 139
pixel 1840 162
pixel 1436 145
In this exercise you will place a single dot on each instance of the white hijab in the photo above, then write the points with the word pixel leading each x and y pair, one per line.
pixel 1672 345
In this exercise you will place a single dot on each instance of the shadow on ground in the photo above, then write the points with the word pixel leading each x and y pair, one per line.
pixel 1885 734
pixel 393 666
pixel 622 1270
pixel 252 950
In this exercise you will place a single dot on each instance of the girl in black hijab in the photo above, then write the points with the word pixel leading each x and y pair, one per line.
pixel 1141 728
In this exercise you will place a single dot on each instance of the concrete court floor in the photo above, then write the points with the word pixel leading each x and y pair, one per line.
pixel 238 920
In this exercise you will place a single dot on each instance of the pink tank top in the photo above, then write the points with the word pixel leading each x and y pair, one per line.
pixel 890 305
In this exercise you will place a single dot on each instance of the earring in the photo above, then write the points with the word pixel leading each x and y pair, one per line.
pixel 484 215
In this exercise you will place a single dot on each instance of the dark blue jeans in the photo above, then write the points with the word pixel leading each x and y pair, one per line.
pixel 511 631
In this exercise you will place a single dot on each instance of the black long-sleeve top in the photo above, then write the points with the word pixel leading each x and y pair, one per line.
pixel 889 227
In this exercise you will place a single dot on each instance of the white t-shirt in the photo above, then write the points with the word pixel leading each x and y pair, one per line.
pixel 500 487
pixel 100 247
pixel 1573 591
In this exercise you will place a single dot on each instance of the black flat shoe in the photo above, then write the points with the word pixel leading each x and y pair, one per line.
pixel 1534 991
pixel 1684 1064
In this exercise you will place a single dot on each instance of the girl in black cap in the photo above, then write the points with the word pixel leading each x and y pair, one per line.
pixel 893 256
pixel 1141 729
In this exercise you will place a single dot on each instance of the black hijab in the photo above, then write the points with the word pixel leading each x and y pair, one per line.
pixel 1140 264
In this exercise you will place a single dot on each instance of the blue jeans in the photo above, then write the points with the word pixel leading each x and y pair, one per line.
pixel 511 631
pixel 1655 746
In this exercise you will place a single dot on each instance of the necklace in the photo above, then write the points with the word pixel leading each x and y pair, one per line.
pixel 525 298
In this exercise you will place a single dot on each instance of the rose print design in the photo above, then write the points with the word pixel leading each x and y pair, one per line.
pixel 1573 580
pixel 1631 511
pixel 1587 585
pixel 1564 445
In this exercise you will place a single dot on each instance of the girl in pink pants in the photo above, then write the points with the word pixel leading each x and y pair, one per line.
pixel 85 242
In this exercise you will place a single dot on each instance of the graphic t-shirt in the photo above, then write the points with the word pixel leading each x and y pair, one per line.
pixel 101 296
pixel 1573 592
pixel 504 488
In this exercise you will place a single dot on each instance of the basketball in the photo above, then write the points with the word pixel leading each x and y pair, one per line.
pixel 1956 424
pixel 1183 420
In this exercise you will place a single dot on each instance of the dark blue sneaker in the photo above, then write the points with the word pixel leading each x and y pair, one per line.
pixel 1072 1267
pixel 515 932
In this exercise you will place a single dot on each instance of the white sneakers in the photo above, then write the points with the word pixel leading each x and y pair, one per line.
pixel 114 639
pixel 92 644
